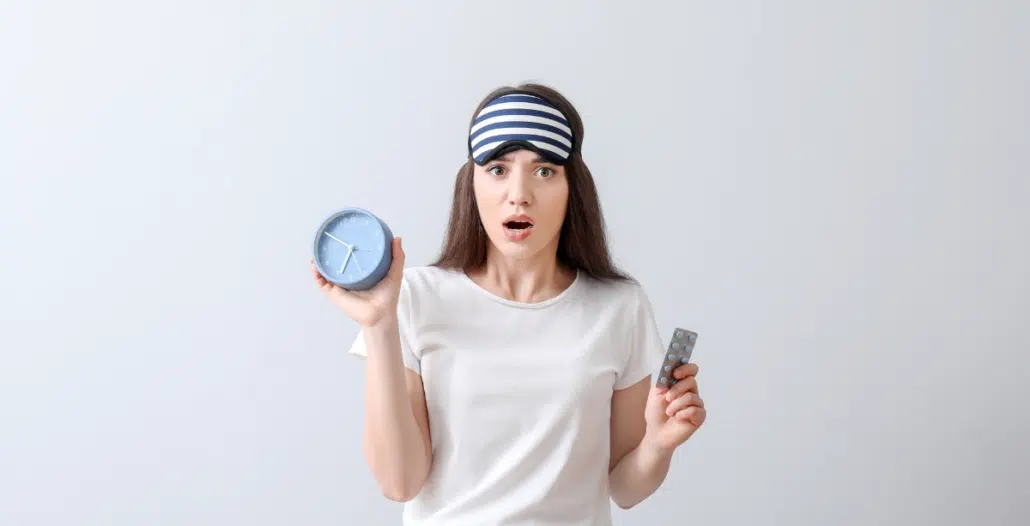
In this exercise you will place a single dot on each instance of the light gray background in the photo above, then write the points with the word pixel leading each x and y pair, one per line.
pixel 834 195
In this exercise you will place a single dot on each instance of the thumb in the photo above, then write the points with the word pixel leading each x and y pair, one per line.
pixel 397 266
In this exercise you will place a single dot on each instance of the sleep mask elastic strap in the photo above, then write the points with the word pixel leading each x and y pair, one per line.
pixel 520 120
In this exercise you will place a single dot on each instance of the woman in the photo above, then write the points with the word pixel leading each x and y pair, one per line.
pixel 509 381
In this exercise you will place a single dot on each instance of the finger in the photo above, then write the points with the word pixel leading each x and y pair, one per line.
pixel 328 288
pixel 683 402
pixel 688 384
pixel 658 395
pixel 319 278
pixel 685 370
pixel 323 284
pixel 694 415
pixel 397 265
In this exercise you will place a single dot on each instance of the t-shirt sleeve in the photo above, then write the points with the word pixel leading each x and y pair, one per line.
pixel 409 348
pixel 644 346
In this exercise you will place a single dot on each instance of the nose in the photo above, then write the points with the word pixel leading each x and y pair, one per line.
pixel 519 191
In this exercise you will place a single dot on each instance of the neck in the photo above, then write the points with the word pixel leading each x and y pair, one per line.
pixel 527 280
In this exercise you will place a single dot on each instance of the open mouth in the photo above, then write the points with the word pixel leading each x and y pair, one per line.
pixel 518 227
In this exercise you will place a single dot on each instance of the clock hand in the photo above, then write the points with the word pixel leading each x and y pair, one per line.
pixel 345 260
pixel 342 242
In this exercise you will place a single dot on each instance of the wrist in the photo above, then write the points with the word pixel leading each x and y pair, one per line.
pixel 385 324
pixel 382 329
pixel 652 451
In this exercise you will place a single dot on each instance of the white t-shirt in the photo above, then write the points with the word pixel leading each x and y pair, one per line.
pixel 519 395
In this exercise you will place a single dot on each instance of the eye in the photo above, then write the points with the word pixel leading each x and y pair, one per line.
pixel 545 171
pixel 495 170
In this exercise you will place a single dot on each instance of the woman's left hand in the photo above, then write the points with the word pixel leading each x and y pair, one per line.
pixel 674 414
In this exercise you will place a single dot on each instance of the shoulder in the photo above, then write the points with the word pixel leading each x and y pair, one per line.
pixel 626 293
pixel 429 277
pixel 428 283
pixel 626 302
pixel 431 294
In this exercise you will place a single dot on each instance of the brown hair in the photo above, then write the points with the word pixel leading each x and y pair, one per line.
pixel 582 243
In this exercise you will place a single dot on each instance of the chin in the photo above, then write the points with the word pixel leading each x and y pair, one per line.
pixel 516 252
pixel 520 244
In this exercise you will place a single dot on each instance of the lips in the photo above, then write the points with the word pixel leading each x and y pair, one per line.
pixel 518 227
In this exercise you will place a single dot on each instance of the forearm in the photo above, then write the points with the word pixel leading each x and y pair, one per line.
pixel 639 474
pixel 394 445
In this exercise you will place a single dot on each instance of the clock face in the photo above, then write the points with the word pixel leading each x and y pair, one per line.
pixel 350 246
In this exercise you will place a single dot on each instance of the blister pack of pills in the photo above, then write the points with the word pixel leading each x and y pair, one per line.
pixel 680 348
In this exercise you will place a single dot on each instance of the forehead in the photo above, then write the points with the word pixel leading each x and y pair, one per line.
pixel 522 156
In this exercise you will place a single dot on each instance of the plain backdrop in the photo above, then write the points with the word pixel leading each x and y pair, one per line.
pixel 834 195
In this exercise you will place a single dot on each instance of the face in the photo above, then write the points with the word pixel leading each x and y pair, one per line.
pixel 522 201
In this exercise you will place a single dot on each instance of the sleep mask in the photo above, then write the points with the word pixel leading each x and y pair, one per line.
pixel 520 120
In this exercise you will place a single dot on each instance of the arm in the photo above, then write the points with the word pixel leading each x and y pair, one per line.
pixel 638 466
pixel 397 441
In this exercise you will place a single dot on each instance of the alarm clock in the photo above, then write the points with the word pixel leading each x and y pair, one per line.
pixel 353 249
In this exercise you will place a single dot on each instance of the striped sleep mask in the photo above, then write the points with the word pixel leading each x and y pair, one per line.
pixel 520 120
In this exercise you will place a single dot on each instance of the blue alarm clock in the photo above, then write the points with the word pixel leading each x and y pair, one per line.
pixel 353 249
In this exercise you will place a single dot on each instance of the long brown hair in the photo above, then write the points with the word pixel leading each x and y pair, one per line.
pixel 582 243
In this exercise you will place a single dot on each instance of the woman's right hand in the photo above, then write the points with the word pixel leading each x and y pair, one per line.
pixel 375 305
